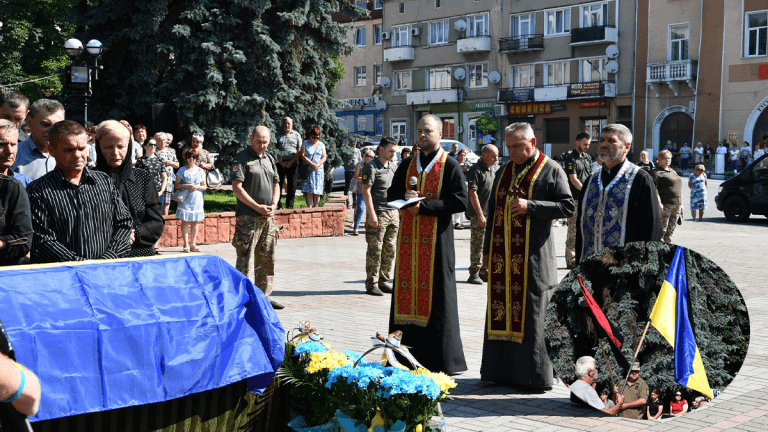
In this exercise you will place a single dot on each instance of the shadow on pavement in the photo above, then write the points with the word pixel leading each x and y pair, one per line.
pixel 316 293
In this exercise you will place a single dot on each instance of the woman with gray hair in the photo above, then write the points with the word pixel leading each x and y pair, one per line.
pixel 204 159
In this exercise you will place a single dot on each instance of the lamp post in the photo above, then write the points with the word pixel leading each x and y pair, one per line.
pixel 78 75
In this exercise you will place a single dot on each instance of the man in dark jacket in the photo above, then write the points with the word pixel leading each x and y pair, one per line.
pixel 15 218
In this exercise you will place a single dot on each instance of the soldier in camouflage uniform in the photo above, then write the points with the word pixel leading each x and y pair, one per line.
pixel 578 167
pixel 382 221
pixel 480 185
pixel 256 185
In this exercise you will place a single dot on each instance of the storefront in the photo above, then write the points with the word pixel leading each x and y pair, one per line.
pixel 460 121
pixel 361 116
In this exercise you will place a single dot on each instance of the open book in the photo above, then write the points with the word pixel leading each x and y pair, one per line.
pixel 401 204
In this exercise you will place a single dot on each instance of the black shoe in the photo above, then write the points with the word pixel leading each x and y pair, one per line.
pixel 385 288
pixel 276 305
pixel 372 290
pixel 475 279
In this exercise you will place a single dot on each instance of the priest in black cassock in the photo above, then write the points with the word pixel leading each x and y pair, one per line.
pixel 424 303
pixel 529 193
pixel 619 204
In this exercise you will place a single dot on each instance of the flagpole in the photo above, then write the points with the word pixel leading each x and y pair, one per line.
pixel 635 356
pixel 605 357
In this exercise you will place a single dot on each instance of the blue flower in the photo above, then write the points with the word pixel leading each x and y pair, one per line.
pixel 404 382
pixel 362 375
pixel 309 347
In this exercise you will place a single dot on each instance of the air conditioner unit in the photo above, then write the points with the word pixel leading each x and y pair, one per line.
pixel 415 31
pixel 499 110
pixel 386 35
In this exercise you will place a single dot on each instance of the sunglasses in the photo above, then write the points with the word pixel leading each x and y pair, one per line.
pixel 151 145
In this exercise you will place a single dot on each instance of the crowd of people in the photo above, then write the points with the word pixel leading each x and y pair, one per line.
pixel 736 158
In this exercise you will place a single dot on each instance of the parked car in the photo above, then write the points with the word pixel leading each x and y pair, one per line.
pixel 446 144
pixel 745 193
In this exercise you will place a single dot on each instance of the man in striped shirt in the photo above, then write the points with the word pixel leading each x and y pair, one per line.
pixel 77 213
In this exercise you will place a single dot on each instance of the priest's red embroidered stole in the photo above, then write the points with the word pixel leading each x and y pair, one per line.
pixel 508 266
pixel 416 240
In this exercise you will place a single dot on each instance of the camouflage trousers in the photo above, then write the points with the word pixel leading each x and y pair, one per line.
pixel 382 242
pixel 669 221
pixel 570 243
pixel 255 239
pixel 476 238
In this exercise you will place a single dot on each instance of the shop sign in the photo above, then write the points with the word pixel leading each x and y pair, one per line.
pixel 593 104
pixel 358 102
pixel 558 107
pixel 467 106
pixel 522 94
pixel 585 89
pixel 531 108
pixel 733 136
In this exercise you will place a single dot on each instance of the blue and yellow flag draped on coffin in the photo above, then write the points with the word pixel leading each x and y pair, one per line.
pixel 110 334
pixel 670 317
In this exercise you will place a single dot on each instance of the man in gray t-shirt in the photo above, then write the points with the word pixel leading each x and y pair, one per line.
pixel 480 186
pixel 255 184
pixel 289 144
pixel 382 221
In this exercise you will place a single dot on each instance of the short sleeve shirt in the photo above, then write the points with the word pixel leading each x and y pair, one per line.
pixel 379 177
pixel 480 178
pixel 586 393
pixel 258 174
pixel 290 144
pixel 639 390
pixel 581 166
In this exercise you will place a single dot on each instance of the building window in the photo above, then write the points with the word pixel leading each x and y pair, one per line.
pixel 478 25
pixel 557 131
pixel 757 34
pixel 449 127
pixel 678 42
pixel 523 25
pixel 593 127
pixel 557 22
pixel 438 3
pixel 439 79
pixel 360 36
pixel 593 70
pixel 403 80
pixel 359 76
pixel 401 7
pixel 361 123
pixel 594 15
pixel 377 72
pixel 478 75
pixel 399 131
pixel 377 5
pixel 557 73
pixel 378 121
pixel 520 76
pixel 401 36
pixel 377 35
pixel 438 32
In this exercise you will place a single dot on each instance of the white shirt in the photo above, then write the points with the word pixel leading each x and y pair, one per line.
pixel 722 150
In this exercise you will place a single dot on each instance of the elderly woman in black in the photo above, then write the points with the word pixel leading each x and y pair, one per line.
pixel 135 185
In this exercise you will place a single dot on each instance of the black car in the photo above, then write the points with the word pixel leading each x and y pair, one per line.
pixel 746 193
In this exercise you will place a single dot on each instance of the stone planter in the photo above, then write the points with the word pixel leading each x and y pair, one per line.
pixel 324 221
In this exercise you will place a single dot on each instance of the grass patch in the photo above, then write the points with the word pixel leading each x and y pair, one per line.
pixel 224 201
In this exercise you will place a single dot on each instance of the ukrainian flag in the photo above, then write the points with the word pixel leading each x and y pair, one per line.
pixel 670 317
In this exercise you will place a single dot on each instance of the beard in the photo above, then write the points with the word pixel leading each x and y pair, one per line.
pixel 612 156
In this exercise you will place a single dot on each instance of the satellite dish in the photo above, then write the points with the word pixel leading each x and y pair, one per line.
pixel 494 77
pixel 385 82
pixel 381 105
pixel 459 74
pixel 460 25
pixel 612 66
pixel 612 51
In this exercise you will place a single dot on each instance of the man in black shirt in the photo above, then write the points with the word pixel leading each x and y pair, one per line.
pixel 15 220
pixel 578 166
pixel 77 214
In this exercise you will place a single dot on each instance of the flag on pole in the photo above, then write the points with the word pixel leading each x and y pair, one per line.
pixel 604 328
pixel 670 317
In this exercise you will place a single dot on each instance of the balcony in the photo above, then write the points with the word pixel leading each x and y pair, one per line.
pixel 473 44
pixel 521 44
pixel 594 35
pixel 520 94
pixel 672 73
pixel 434 96
pixel 399 53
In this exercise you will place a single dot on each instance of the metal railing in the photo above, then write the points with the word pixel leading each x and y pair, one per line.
pixel 589 34
pixel 521 43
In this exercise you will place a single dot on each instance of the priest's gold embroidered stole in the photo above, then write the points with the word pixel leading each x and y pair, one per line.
pixel 508 266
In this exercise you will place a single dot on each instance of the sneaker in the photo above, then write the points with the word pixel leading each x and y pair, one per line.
pixel 372 290
pixel 385 288
pixel 276 305
pixel 354 232
pixel 475 279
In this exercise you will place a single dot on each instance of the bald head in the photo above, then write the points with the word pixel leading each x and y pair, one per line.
pixel 260 139
pixel 428 133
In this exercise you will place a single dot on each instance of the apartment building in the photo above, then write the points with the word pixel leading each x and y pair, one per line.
pixel 360 89
pixel 440 57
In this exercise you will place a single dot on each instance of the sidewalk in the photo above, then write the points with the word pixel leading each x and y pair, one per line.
pixel 322 280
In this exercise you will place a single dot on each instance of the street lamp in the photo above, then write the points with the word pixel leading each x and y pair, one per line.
pixel 78 74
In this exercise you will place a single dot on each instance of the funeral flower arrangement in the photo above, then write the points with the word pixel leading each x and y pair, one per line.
pixel 330 387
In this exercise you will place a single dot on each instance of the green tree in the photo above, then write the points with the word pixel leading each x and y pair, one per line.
pixel 625 282
pixel 225 65
pixel 31 38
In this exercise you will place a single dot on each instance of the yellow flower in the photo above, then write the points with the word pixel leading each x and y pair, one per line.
pixel 326 361
pixel 442 380
pixel 418 427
